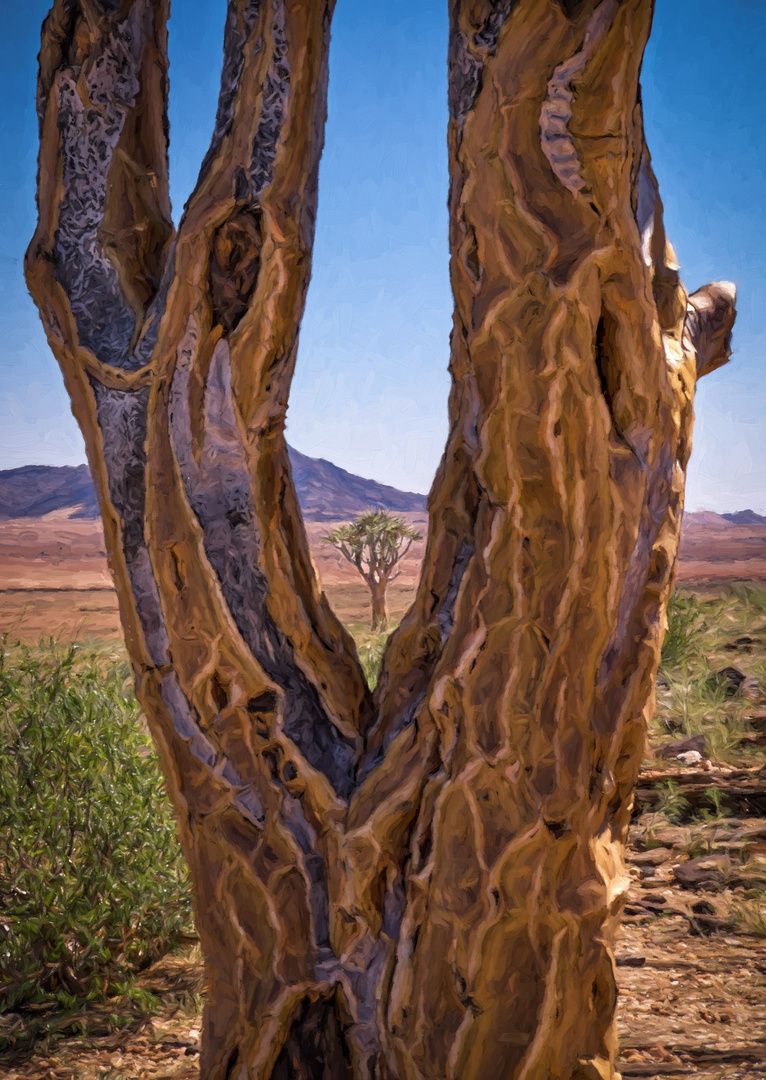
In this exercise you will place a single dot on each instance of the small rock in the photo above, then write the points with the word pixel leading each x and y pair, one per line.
pixel 708 870
pixel 691 757
pixel 742 644
pixel 653 857
pixel 730 678
pixel 681 746
pixel 671 836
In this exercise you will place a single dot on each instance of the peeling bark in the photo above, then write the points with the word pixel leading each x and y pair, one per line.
pixel 427 885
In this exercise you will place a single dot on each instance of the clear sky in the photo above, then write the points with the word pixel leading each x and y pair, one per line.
pixel 370 390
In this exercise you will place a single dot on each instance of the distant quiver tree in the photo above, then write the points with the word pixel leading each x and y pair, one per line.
pixel 373 543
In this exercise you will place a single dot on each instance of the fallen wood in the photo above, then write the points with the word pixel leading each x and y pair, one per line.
pixel 746 796
pixel 716 774
pixel 657 1068
pixel 652 857
pixel 715 871
pixel 717 1057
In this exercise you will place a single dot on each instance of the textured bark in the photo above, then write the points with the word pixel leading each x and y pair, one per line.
pixel 379 606
pixel 425 886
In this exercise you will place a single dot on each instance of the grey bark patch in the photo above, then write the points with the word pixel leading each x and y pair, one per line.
pixel 466 57
pixel 236 33
pixel 186 726
pixel 313 868
pixel 647 201
pixel 145 347
pixel 446 613
pixel 122 418
pixel 218 489
pixel 464 76
pixel 274 101
pixel 89 133
pixel 556 112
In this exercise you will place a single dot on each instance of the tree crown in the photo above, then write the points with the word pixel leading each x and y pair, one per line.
pixel 373 541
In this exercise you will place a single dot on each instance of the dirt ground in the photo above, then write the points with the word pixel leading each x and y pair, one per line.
pixel 55 580
pixel 54 577
pixel 692 978
pixel 692 994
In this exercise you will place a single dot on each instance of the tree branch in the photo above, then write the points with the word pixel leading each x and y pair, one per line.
pixel 709 324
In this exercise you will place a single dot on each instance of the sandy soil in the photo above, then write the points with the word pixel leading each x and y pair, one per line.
pixel 690 1005
pixel 715 551
pixel 54 577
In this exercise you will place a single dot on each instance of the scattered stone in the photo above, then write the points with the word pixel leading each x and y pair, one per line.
pixel 742 644
pixel 750 689
pixel 630 961
pixel 730 678
pixel 757 719
pixel 709 870
pixel 651 858
pixel 690 757
pixel 672 836
pixel 682 746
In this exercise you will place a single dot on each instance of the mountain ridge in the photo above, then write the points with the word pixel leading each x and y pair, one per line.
pixel 326 492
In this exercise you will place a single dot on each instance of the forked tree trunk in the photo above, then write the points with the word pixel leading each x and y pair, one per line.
pixel 426 886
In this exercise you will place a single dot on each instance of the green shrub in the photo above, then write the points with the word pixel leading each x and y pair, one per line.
pixel 684 611
pixel 672 801
pixel 93 885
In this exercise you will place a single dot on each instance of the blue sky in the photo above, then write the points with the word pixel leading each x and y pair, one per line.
pixel 371 384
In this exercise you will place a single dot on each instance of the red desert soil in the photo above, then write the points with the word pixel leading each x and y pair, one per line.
pixel 690 1004
pixel 54 577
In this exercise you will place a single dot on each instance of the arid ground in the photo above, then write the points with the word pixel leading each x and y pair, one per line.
pixel 54 577
pixel 691 957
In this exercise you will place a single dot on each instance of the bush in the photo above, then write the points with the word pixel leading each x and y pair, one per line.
pixel 684 617
pixel 370 648
pixel 93 885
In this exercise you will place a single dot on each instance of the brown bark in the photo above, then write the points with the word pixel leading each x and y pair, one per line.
pixel 379 606
pixel 429 889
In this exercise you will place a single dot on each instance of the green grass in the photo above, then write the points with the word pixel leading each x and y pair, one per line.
pixel 691 699
pixel 370 648
pixel 93 886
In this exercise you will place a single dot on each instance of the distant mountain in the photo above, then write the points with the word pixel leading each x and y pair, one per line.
pixel 326 492
pixel 34 490
pixel 745 517
pixel 702 518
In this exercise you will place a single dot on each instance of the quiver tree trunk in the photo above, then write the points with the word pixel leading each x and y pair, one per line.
pixel 427 885
pixel 378 591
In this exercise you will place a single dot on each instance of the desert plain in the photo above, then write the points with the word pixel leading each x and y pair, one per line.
pixel 55 580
